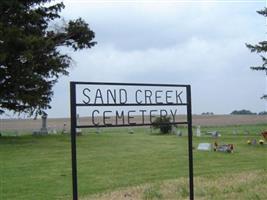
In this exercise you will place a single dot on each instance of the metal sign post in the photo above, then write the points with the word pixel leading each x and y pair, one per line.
pixel 124 102
pixel 190 143
pixel 73 126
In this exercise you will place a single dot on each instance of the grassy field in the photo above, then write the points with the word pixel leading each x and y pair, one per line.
pixel 40 167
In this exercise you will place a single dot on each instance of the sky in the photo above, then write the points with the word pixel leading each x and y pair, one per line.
pixel 201 43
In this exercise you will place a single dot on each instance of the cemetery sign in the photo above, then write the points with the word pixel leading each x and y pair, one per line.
pixel 128 104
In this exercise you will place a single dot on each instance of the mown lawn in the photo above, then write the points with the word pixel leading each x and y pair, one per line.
pixel 40 167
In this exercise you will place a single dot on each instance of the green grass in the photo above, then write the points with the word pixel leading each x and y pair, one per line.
pixel 39 167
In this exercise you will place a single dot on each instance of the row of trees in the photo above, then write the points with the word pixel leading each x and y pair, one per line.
pixel 247 112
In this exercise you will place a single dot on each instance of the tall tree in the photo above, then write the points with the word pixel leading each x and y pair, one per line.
pixel 30 59
pixel 260 48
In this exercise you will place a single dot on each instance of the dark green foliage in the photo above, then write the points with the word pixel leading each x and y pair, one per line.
pixel 242 112
pixel 163 123
pixel 263 113
pixel 264 96
pixel 260 48
pixel 30 59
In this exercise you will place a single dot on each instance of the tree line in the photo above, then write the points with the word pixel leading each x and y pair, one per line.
pixel 247 112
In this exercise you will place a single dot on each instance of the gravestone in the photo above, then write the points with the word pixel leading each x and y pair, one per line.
pixel 130 131
pixel 78 130
pixel 204 147
pixel 173 130
pixel 179 133
pixel 98 130
pixel 246 132
pixel 234 132
pixel 198 131
pixel 215 134
pixel 78 119
pixel 228 148
pixel 54 131
pixel 64 130
pixel 44 130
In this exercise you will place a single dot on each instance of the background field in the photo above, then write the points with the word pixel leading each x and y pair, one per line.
pixel 22 126
pixel 39 167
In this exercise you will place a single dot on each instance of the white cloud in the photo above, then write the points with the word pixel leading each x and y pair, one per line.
pixel 200 44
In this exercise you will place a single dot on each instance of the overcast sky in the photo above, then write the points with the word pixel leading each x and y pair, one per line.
pixel 197 43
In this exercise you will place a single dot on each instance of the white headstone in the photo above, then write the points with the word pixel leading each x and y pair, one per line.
pixel 98 130
pixel 64 130
pixel 179 133
pixel 204 147
pixel 130 131
pixel 173 130
pixel 215 134
pixel 78 131
pixel 198 131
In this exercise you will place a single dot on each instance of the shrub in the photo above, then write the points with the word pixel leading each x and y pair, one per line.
pixel 163 123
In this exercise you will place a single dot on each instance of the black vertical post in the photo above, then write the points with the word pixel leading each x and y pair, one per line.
pixel 190 143
pixel 73 139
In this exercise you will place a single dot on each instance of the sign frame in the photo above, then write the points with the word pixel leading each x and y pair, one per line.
pixel 74 126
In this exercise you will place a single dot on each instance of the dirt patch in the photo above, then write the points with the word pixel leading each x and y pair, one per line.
pixel 244 185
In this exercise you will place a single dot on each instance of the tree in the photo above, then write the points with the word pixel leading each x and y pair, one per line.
pixel 242 112
pixel 263 113
pixel 260 48
pixel 30 57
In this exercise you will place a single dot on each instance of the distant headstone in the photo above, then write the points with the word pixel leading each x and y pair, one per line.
pixel 64 130
pixel 215 134
pixel 173 130
pixel 78 119
pixel 98 130
pixel 246 132
pixel 204 147
pixel 179 133
pixel 78 131
pixel 234 132
pixel 130 131
pixel 44 130
pixel 229 148
pixel 198 131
